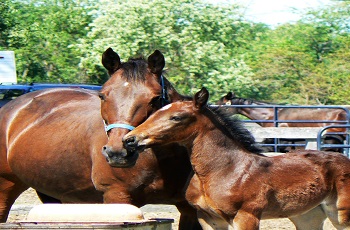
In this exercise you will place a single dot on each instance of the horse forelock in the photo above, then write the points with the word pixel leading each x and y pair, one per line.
pixel 234 128
pixel 135 69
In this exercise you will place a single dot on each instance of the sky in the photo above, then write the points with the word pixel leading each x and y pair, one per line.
pixel 274 12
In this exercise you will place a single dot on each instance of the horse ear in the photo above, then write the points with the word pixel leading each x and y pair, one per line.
pixel 111 61
pixel 230 96
pixel 201 98
pixel 156 62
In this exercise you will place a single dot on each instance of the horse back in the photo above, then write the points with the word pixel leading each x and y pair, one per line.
pixel 40 108
pixel 311 114
pixel 47 135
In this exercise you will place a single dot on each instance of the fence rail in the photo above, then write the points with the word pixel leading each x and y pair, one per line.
pixel 313 136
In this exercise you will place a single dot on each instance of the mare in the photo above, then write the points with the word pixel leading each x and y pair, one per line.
pixel 295 114
pixel 234 186
pixel 52 141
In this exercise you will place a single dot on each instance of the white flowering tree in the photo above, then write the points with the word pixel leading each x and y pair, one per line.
pixel 200 41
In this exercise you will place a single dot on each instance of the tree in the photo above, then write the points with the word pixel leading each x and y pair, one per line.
pixel 201 41
pixel 6 22
pixel 303 63
pixel 42 34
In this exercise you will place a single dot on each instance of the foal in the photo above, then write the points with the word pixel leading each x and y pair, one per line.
pixel 233 185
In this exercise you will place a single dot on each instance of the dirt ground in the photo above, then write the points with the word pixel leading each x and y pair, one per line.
pixel 29 199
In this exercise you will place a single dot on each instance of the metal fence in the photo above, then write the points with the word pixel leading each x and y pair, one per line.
pixel 324 131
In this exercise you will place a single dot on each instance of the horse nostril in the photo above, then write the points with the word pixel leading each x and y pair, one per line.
pixel 106 151
pixel 130 141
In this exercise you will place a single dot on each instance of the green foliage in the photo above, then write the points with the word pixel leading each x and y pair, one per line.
pixel 42 34
pixel 306 62
pixel 204 44
pixel 198 39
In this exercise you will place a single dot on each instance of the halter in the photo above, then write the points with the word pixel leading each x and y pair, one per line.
pixel 118 125
pixel 164 96
pixel 163 101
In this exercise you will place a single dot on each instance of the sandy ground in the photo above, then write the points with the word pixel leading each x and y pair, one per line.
pixel 29 199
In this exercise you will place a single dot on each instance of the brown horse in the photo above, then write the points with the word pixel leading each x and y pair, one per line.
pixel 233 185
pixel 52 140
pixel 290 117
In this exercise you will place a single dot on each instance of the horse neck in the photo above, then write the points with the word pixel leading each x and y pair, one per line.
pixel 173 94
pixel 256 113
pixel 212 150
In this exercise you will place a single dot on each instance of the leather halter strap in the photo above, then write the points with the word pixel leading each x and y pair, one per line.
pixel 164 94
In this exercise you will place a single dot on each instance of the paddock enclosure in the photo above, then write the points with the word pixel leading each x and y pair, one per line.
pixel 162 193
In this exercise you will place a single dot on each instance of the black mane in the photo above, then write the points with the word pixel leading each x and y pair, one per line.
pixel 234 128
pixel 249 101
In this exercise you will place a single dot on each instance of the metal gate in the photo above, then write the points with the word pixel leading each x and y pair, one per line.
pixel 277 143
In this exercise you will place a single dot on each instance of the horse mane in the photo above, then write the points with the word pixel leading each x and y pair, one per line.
pixel 135 69
pixel 233 127
pixel 251 101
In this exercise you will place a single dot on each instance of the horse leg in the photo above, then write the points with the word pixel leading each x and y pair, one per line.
pixel 312 220
pixel 188 217
pixel 245 220
pixel 209 222
pixel 9 192
pixel 47 199
pixel 338 212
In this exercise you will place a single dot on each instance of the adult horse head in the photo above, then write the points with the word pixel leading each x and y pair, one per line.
pixel 135 90
pixel 131 94
pixel 252 113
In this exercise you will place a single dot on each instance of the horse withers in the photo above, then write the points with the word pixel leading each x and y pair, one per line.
pixel 52 140
pixel 233 185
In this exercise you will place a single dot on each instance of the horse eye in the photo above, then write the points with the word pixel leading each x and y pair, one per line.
pixel 102 96
pixel 176 118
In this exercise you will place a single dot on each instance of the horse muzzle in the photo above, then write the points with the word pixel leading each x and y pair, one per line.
pixel 120 159
pixel 132 144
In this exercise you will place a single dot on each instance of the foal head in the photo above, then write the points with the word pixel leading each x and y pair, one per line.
pixel 136 89
pixel 173 123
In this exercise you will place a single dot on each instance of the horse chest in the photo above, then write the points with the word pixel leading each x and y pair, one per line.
pixel 213 199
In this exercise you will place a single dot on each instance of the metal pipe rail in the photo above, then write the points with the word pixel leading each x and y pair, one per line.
pixel 322 133
pixel 275 120
pixel 334 124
